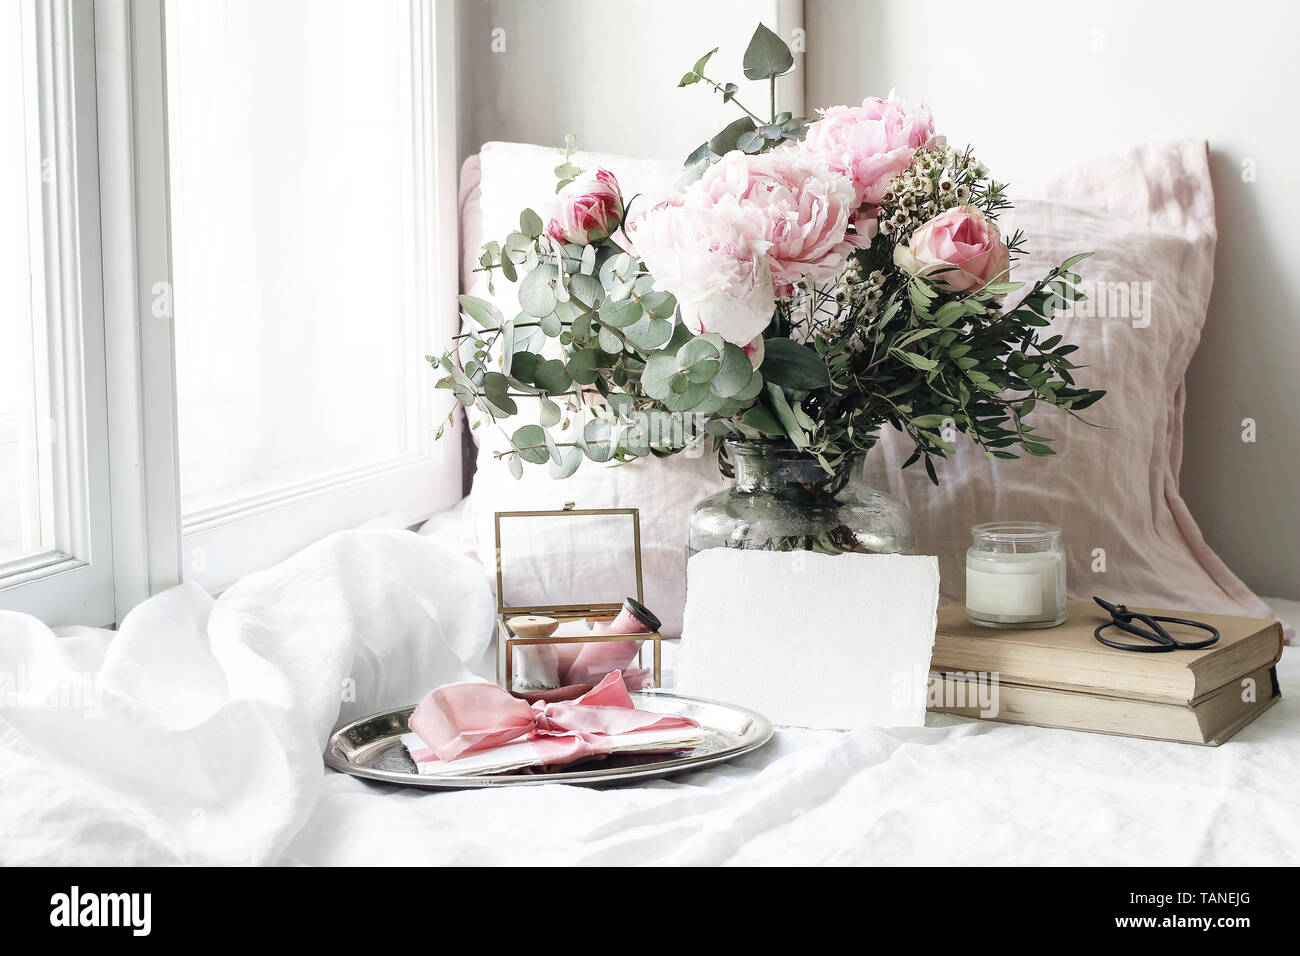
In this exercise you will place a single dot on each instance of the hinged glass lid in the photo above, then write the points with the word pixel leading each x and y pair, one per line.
pixel 572 561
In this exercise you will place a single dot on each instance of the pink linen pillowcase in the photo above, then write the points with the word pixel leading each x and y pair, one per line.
pixel 1149 216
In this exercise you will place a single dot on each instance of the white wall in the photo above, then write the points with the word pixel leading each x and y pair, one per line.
pixel 608 71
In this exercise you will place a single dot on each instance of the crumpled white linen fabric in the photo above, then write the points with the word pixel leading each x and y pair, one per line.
pixel 208 718
pixel 194 734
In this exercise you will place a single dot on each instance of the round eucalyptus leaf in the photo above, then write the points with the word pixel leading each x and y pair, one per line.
pixel 649 334
pixel 551 325
pixel 658 374
pixel 750 391
pixel 537 291
pixel 699 357
pixel 567 464
pixel 709 404
pixel 586 290
pixel 687 399
pixel 516 467
pixel 582 366
pixel 530 443
pixel 530 224
pixel 524 366
pixel 551 377
pixel 597 440
pixel 548 413
pixel 661 305
pixel 609 341
pixel 496 387
pixel 733 374
pixel 620 314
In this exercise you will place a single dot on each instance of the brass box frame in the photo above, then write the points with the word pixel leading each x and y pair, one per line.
pixel 507 640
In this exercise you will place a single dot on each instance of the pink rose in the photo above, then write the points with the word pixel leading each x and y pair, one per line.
pixel 587 210
pixel 801 206
pixel 872 143
pixel 711 258
pixel 962 237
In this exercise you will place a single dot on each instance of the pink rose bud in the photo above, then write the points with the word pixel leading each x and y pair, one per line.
pixel 587 210
pixel 963 238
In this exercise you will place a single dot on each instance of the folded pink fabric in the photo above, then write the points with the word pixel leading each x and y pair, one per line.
pixel 467 718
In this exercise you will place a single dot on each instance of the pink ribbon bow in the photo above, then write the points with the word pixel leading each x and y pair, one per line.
pixel 468 718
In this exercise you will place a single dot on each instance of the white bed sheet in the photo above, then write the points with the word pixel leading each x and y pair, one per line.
pixel 212 715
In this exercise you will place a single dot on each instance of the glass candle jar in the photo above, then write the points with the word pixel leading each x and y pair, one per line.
pixel 1015 575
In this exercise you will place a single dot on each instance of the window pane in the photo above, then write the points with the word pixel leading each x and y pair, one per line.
pixel 25 501
pixel 292 257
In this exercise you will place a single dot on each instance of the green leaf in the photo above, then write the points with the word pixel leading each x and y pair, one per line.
pixel 537 292
pixel 764 421
pixel 688 79
pixel 496 387
pixel 794 366
pixel 582 366
pixel 649 334
pixel 530 442
pixel 551 377
pixel 661 305
pixel 530 224
pixel 750 142
pixel 516 467
pixel 917 361
pixel 548 413
pixel 767 55
pixel 609 341
pixel 786 416
pixel 691 394
pixel 481 311
pixel 734 372
pixel 586 290
pixel 700 359
pixel 597 440
pixel 620 314
pixel 566 463
pixel 657 377
pixel 726 140
pixel 507 346
pixel 703 61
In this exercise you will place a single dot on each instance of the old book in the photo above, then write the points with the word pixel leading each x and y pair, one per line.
pixel 1069 657
pixel 1214 719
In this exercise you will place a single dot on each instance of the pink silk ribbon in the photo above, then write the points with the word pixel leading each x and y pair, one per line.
pixel 468 718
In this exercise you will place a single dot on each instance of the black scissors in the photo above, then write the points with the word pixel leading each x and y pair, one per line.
pixel 1161 640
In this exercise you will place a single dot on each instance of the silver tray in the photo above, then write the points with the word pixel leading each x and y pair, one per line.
pixel 372 748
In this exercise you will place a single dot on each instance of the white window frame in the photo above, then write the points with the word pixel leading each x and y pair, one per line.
pixel 129 539
pixel 73 581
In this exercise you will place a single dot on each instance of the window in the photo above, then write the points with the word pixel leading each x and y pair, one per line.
pixel 240 372
pixel 25 502
pixel 55 535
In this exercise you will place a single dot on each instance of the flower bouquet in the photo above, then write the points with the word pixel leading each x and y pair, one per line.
pixel 812 281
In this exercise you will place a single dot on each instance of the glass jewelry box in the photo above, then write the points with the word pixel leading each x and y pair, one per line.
pixel 569 600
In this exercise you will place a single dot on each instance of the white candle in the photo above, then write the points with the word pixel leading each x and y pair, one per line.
pixel 1015 575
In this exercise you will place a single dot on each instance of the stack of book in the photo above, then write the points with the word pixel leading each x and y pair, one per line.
pixel 1063 677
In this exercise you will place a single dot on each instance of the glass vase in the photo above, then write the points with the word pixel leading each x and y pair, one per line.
pixel 783 500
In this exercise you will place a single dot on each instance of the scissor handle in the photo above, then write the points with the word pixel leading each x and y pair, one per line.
pixel 1161 640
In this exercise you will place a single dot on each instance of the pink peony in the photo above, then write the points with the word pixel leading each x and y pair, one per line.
pixel 587 210
pixel 963 237
pixel 710 256
pixel 872 143
pixel 802 207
